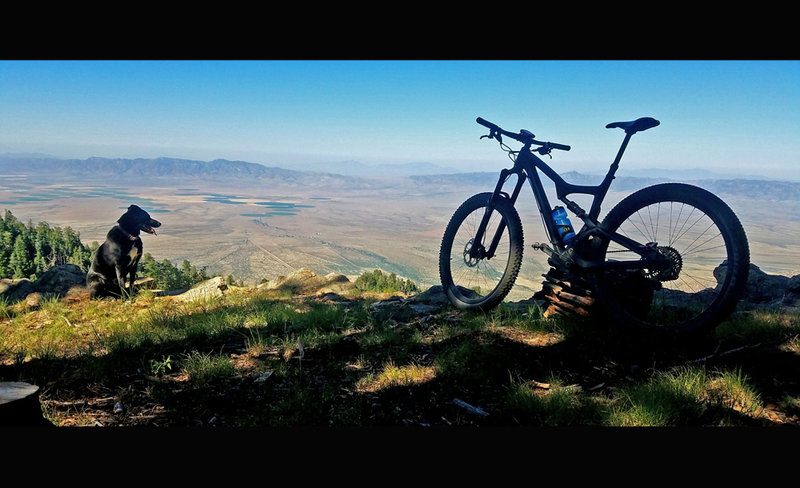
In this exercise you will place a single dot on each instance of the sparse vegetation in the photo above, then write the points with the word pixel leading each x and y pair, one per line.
pixel 167 276
pixel 380 282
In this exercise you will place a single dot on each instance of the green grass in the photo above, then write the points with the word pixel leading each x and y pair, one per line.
pixel 206 368
pixel 686 396
pixel 559 405
pixel 261 358
pixel 759 326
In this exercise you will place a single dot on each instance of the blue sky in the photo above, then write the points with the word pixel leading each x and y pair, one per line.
pixel 732 116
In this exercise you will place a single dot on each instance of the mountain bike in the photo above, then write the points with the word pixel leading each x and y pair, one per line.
pixel 672 255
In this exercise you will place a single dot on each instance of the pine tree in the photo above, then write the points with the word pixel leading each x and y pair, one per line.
pixel 20 261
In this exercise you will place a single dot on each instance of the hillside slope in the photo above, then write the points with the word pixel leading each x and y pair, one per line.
pixel 307 350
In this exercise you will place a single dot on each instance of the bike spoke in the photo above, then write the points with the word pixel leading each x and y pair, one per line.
pixel 695 243
pixel 483 275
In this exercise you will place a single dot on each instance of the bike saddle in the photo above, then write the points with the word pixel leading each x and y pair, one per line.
pixel 634 126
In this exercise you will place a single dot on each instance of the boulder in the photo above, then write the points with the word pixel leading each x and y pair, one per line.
pixel 768 289
pixel 15 290
pixel 433 296
pixel 792 296
pixel 207 289
pixel 395 308
pixel 431 301
pixel 305 282
pixel 58 280
pixel 763 287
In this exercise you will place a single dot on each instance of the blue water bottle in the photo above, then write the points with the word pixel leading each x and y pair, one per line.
pixel 563 225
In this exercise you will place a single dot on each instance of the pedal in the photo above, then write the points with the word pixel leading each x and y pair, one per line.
pixel 543 247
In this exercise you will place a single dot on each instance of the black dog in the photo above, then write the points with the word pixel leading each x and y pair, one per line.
pixel 119 255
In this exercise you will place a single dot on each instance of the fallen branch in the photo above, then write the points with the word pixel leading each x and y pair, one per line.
pixel 469 408
pixel 725 353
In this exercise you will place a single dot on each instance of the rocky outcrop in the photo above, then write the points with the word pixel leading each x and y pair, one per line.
pixel 398 308
pixel 763 291
pixel 215 287
pixel 769 290
pixel 305 282
pixel 58 281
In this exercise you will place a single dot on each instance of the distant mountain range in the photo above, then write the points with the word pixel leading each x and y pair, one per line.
pixel 100 167
pixel 120 170
pixel 762 189
pixel 355 168
pixel 28 163
pixel 351 174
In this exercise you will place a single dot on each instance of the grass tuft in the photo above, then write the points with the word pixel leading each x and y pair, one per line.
pixel 204 369
pixel 393 375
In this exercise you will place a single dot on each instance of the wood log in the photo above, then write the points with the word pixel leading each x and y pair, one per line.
pixel 565 305
pixel 571 284
pixel 19 405
pixel 550 311
pixel 565 294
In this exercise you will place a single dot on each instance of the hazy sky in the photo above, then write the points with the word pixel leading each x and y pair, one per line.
pixel 733 116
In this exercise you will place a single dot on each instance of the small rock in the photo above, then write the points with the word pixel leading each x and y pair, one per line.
pixel 119 407
pixel 263 376
pixel 425 309
pixel 33 300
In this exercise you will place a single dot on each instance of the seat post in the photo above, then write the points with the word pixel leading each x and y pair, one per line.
pixel 602 190
pixel 615 164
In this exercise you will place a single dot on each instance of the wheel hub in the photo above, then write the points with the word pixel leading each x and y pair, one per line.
pixel 469 259
pixel 671 272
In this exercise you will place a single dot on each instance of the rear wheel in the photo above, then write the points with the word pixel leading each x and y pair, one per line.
pixel 469 278
pixel 705 244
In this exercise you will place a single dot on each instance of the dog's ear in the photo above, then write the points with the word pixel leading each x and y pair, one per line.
pixel 128 216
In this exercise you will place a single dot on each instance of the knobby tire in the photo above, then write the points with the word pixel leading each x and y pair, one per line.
pixel 723 248
pixel 462 280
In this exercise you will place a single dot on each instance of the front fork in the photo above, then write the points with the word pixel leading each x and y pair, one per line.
pixel 478 250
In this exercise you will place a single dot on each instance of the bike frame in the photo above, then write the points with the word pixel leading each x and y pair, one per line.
pixel 526 167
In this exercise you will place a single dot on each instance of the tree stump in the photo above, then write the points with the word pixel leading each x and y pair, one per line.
pixel 19 405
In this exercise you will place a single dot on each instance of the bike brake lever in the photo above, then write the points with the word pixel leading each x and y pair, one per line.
pixel 493 134
pixel 545 150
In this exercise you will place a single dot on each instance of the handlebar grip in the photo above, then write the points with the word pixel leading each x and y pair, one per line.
pixel 486 123
pixel 562 147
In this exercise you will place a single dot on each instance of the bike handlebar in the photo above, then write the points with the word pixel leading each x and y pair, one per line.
pixel 519 136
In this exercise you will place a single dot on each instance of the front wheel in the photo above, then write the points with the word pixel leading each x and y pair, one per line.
pixel 471 278
pixel 705 244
